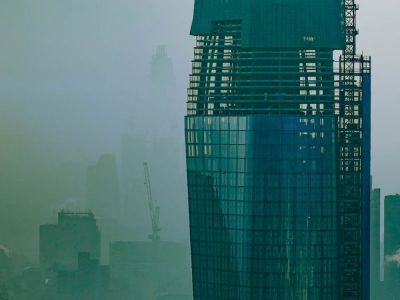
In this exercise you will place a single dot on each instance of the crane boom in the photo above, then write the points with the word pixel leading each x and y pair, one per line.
pixel 154 208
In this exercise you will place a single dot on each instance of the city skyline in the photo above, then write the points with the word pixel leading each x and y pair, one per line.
pixel 90 91
pixel 23 75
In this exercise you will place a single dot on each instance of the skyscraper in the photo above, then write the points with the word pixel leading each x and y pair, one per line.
pixel 278 151
pixel 376 244
pixel 162 94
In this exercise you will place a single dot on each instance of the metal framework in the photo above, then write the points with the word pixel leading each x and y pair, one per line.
pixel 353 128
pixel 228 79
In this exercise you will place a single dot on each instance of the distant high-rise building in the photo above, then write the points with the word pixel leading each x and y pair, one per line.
pixel 377 262
pixel 162 75
pixel 278 151
pixel 154 138
pixel 103 198
pixel 61 243
pixel 162 100
pixel 103 187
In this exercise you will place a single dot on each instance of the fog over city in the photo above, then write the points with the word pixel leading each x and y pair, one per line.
pixel 75 78
pixel 82 81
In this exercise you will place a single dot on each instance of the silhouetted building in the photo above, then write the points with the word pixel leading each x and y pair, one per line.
pixel 150 270
pixel 377 263
pixel 103 198
pixel 278 151
pixel 161 93
pixel 90 281
pixel 103 187
pixel 162 75
pixel 60 243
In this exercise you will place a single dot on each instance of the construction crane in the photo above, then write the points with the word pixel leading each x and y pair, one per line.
pixel 153 207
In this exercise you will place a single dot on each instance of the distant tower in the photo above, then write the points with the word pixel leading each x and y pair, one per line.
pixel 61 243
pixel 103 187
pixel 162 75
pixel 278 151
pixel 376 245
pixel 162 99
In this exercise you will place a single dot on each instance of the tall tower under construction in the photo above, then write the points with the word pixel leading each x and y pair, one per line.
pixel 278 151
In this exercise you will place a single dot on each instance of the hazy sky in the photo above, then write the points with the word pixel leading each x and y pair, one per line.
pixel 74 69
pixel 77 68
pixel 380 37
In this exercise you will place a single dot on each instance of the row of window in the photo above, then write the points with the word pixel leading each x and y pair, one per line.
pixel 274 122
pixel 268 180
pixel 283 235
pixel 245 237
pixel 267 152
pixel 262 136
pixel 265 253
pixel 241 196
pixel 209 291
pixel 277 278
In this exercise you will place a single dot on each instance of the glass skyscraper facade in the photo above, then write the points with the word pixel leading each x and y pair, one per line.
pixel 275 179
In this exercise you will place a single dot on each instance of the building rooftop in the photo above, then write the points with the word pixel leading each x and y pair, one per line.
pixel 297 24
